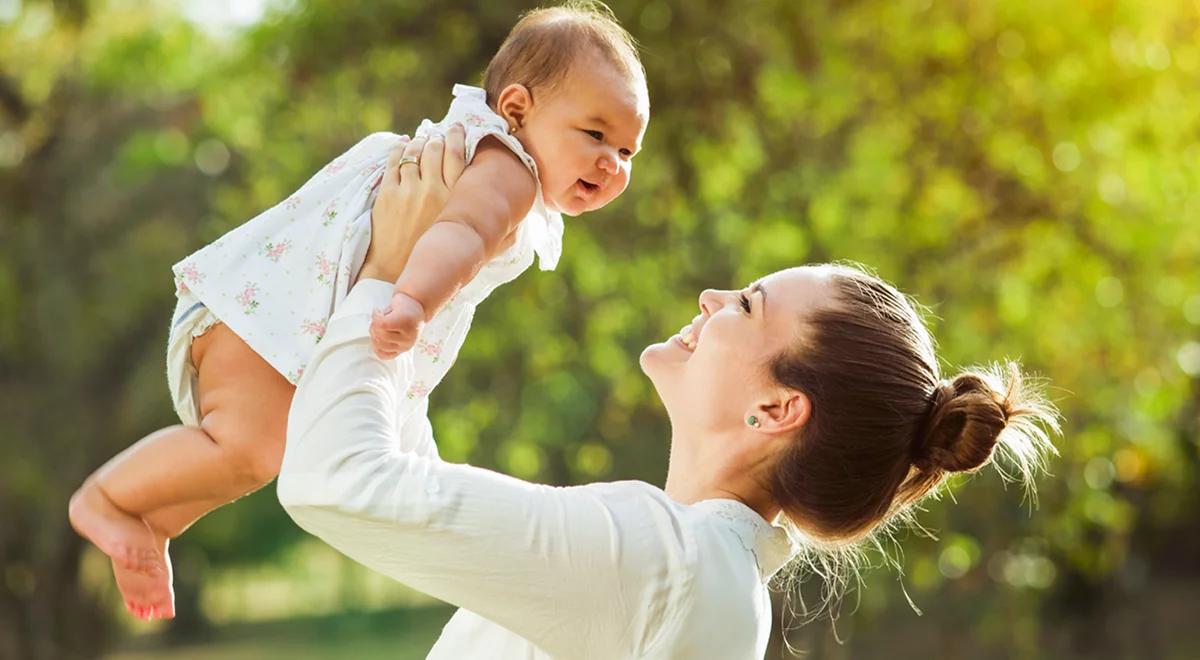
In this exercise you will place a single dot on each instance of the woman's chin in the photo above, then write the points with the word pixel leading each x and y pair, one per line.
pixel 658 359
pixel 647 358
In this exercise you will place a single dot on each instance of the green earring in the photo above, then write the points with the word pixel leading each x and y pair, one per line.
pixel 753 421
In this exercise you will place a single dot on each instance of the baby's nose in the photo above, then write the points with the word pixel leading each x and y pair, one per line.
pixel 608 164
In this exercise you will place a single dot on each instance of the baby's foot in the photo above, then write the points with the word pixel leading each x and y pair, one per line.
pixel 148 597
pixel 124 538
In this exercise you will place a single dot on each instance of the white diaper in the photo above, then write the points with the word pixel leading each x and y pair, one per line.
pixel 191 319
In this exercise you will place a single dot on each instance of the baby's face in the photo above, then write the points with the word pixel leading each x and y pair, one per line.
pixel 584 134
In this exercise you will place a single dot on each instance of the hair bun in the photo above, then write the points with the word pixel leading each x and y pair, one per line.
pixel 966 417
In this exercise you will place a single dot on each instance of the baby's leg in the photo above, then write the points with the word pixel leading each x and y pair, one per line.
pixel 237 449
pixel 185 471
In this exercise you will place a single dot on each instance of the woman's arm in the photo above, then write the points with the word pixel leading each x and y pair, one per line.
pixel 558 566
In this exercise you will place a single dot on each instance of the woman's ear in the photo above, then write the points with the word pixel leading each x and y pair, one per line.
pixel 514 104
pixel 786 412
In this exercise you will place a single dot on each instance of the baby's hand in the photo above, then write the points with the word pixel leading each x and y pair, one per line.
pixel 395 329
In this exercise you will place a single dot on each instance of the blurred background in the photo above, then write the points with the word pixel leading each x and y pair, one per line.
pixel 1027 170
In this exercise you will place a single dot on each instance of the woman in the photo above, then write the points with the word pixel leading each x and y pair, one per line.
pixel 811 398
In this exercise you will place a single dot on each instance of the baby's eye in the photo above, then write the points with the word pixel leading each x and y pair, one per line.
pixel 744 301
pixel 599 137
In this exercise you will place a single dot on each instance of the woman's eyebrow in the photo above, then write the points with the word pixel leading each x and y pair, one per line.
pixel 757 286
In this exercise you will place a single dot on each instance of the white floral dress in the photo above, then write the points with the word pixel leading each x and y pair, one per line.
pixel 276 279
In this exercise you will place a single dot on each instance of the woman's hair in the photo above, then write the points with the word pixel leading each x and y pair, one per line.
pixel 543 46
pixel 885 428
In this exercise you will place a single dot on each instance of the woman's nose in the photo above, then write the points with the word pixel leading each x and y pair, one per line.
pixel 711 300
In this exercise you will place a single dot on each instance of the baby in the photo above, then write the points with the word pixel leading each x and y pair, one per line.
pixel 562 113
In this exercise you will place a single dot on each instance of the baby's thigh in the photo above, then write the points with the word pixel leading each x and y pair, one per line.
pixel 243 400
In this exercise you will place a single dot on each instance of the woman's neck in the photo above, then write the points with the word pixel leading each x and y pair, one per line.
pixel 694 475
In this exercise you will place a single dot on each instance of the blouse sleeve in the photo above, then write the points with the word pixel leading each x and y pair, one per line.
pixel 558 566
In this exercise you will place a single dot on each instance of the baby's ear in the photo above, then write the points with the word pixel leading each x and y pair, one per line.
pixel 514 104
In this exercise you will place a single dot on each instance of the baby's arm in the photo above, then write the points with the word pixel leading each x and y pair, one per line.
pixel 495 192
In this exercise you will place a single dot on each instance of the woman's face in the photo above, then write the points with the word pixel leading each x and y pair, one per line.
pixel 712 372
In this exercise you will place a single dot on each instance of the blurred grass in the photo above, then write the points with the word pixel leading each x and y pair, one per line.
pixel 392 634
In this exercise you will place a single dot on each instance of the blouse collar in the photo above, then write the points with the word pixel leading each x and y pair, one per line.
pixel 769 543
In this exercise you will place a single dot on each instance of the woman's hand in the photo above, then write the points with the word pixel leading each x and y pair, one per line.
pixel 415 186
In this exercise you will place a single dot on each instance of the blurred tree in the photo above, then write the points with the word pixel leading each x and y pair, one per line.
pixel 97 190
pixel 1034 181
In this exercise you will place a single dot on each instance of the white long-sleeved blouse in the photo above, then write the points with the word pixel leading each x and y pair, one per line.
pixel 604 571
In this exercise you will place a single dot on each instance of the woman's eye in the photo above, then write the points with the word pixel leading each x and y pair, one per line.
pixel 599 137
pixel 744 301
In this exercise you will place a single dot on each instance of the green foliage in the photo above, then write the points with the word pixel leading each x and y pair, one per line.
pixel 1029 172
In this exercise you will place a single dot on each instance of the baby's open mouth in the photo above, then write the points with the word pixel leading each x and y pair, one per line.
pixel 588 186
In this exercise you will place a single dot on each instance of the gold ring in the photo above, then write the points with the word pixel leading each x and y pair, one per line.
pixel 406 160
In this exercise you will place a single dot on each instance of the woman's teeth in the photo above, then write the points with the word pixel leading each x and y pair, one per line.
pixel 687 337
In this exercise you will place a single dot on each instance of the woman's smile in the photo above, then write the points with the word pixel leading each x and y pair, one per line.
pixel 685 340
pixel 689 334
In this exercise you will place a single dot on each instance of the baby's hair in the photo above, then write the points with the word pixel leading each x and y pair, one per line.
pixel 544 45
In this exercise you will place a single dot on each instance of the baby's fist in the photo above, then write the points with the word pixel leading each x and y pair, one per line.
pixel 395 329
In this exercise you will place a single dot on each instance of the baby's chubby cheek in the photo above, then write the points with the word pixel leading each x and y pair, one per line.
pixel 619 185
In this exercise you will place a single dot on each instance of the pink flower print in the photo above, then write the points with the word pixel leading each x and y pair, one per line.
pixel 294 376
pixel 274 251
pixel 329 214
pixel 248 298
pixel 417 390
pixel 292 203
pixel 188 272
pixel 325 269
pixel 336 166
pixel 315 328
pixel 432 349
pixel 473 119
